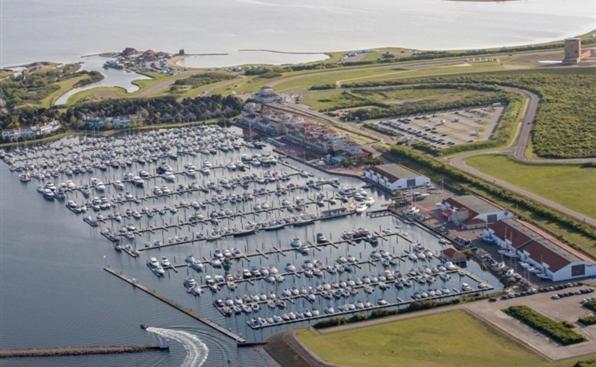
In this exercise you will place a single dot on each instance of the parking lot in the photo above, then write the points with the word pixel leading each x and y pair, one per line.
pixel 445 129
pixel 565 309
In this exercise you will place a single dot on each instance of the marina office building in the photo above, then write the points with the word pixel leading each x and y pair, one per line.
pixel 472 212
pixel 394 177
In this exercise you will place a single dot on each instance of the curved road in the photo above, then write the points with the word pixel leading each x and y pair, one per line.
pixel 517 151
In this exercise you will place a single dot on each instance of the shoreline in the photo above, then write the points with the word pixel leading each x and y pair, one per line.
pixel 537 43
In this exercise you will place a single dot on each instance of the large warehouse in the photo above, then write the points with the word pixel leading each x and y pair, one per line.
pixel 394 177
pixel 545 257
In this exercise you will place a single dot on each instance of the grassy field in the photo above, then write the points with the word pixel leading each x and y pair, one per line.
pixel 96 94
pixel 325 100
pixel 565 184
pixel 300 81
pixel 442 340
pixel 64 86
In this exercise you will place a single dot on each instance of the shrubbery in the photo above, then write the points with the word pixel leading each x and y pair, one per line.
pixel 591 305
pixel 158 110
pixel 551 328
pixel 588 320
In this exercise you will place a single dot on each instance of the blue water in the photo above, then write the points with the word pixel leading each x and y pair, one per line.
pixel 55 293
pixel 63 30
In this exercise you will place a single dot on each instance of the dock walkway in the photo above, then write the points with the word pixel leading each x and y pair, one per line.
pixel 187 311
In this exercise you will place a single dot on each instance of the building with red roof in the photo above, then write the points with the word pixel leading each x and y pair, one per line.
pixel 471 212
pixel 545 257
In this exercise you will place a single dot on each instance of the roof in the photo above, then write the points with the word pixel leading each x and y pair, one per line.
pixel 512 230
pixel 473 203
pixel 394 171
pixel 544 251
pixel 537 247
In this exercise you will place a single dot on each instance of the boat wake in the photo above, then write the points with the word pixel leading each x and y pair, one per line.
pixel 196 350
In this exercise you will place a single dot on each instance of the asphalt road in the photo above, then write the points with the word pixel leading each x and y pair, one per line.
pixel 517 151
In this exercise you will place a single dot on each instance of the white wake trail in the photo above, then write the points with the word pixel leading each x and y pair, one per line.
pixel 196 350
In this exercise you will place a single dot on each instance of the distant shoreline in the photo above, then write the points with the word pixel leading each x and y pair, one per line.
pixel 483 1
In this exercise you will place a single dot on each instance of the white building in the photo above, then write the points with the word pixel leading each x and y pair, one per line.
pixel 469 211
pixel 545 257
pixel 267 96
pixel 395 177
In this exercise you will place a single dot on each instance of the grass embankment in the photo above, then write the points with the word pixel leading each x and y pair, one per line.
pixel 559 332
pixel 63 87
pixel 334 99
pixel 96 94
pixel 180 85
pixel 566 184
pixel 442 340
pixel 301 81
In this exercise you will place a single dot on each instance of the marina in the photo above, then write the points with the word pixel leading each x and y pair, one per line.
pixel 238 238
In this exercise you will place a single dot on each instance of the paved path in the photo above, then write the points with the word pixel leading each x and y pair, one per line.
pixel 517 151
pixel 295 354
pixel 566 309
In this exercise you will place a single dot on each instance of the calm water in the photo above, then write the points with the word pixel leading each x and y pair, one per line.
pixel 63 30
pixel 53 291
pixel 111 78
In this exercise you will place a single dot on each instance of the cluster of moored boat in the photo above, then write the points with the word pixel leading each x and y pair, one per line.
pixel 251 304
pixel 75 156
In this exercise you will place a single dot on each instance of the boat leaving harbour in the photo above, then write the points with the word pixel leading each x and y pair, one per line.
pixel 248 251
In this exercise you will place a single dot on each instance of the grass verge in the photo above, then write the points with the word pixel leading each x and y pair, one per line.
pixel 566 184
pixel 447 339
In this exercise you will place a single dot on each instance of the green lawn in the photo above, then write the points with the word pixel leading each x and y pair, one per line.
pixel 96 94
pixel 569 185
pixel 333 99
pixel 64 86
pixel 447 339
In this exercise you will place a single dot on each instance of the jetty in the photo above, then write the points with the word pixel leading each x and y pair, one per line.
pixel 78 351
pixel 189 312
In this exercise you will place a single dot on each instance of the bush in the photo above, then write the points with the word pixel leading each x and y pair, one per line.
pixel 588 320
pixel 591 305
pixel 322 87
pixel 551 328
pixel 586 363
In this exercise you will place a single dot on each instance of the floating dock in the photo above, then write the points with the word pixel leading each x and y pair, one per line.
pixel 187 311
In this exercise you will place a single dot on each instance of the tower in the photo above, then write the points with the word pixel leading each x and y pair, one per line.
pixel 573 51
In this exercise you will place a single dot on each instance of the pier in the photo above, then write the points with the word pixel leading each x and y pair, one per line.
pixel 399 303
pixel 237 338
pixel 280 250
pixel 78 351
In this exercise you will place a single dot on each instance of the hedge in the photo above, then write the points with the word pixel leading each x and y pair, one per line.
pixel 551 328
pixel 591 305
pixel 588 320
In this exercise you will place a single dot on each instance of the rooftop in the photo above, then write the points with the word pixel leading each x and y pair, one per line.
pixel 394 171
pixel 539 248
pixel 473 203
